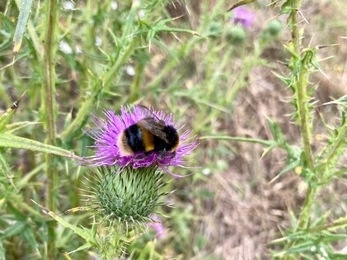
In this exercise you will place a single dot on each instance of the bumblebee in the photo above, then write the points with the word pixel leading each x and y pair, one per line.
pixel 148 135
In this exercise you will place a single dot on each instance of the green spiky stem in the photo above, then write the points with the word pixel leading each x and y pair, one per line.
pixel 300 85
pixel 302 104
pixel 48 111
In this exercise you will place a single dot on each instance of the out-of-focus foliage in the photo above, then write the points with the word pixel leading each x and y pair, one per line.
pixel 214 69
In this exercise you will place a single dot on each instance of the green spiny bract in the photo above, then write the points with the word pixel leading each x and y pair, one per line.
pixel 123 199
pixel 128 196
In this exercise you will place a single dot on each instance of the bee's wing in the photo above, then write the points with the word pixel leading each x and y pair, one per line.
pixel 154 127
pixel 149 114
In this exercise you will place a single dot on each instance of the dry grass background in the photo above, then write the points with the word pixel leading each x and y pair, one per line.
pixel 248 210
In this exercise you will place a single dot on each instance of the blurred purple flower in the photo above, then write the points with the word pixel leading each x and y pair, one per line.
pixel 157 226
pixel 107 132
pixel 243 17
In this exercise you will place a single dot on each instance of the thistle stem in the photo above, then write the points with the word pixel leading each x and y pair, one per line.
pixel 300 84
pixel 48 110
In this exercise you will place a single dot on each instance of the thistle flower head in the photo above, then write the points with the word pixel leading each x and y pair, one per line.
pixel 243 17
pixel 124 200
pixel 111 137
pixel 129 197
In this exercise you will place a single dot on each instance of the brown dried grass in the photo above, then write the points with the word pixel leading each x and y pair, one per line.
pixel 249 211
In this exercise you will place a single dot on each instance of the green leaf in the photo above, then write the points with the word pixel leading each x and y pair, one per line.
pixel 276 132
pixel 286 8
pixel 23 18
pixel 7 115
pixel 19 125
pixel 166 48
pixel 151 31
pixel 19 215
pixel 2 251
pixel 302 247
pixel 338 224
pixel 309 58
pixel 289 167
pixel 81 248
pixel 290 47
pixel 86 234
pixel 26 179
pixel 287 81
pixel 328 238
pixel 239 139
pixel 30 237
pixel 3 164
pixel 14 229
pixel 321 220
pixel 6 33
pixel 12 141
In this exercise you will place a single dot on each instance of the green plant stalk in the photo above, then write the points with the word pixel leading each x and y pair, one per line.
pixel 238 139
pixel 300 84
pixel 333 226
pixel 48 110
pixel 301 87
pixel 122 59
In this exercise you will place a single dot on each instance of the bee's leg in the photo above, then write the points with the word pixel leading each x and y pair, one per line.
pixel 162 154
pixel 142 155
pixel 173 154
pixel 146 154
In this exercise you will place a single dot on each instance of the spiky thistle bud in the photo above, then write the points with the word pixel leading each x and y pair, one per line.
pixel 123 200
pixel 127 196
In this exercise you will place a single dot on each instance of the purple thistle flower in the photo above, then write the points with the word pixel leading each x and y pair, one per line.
pixel 243 17
pixel 107 134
